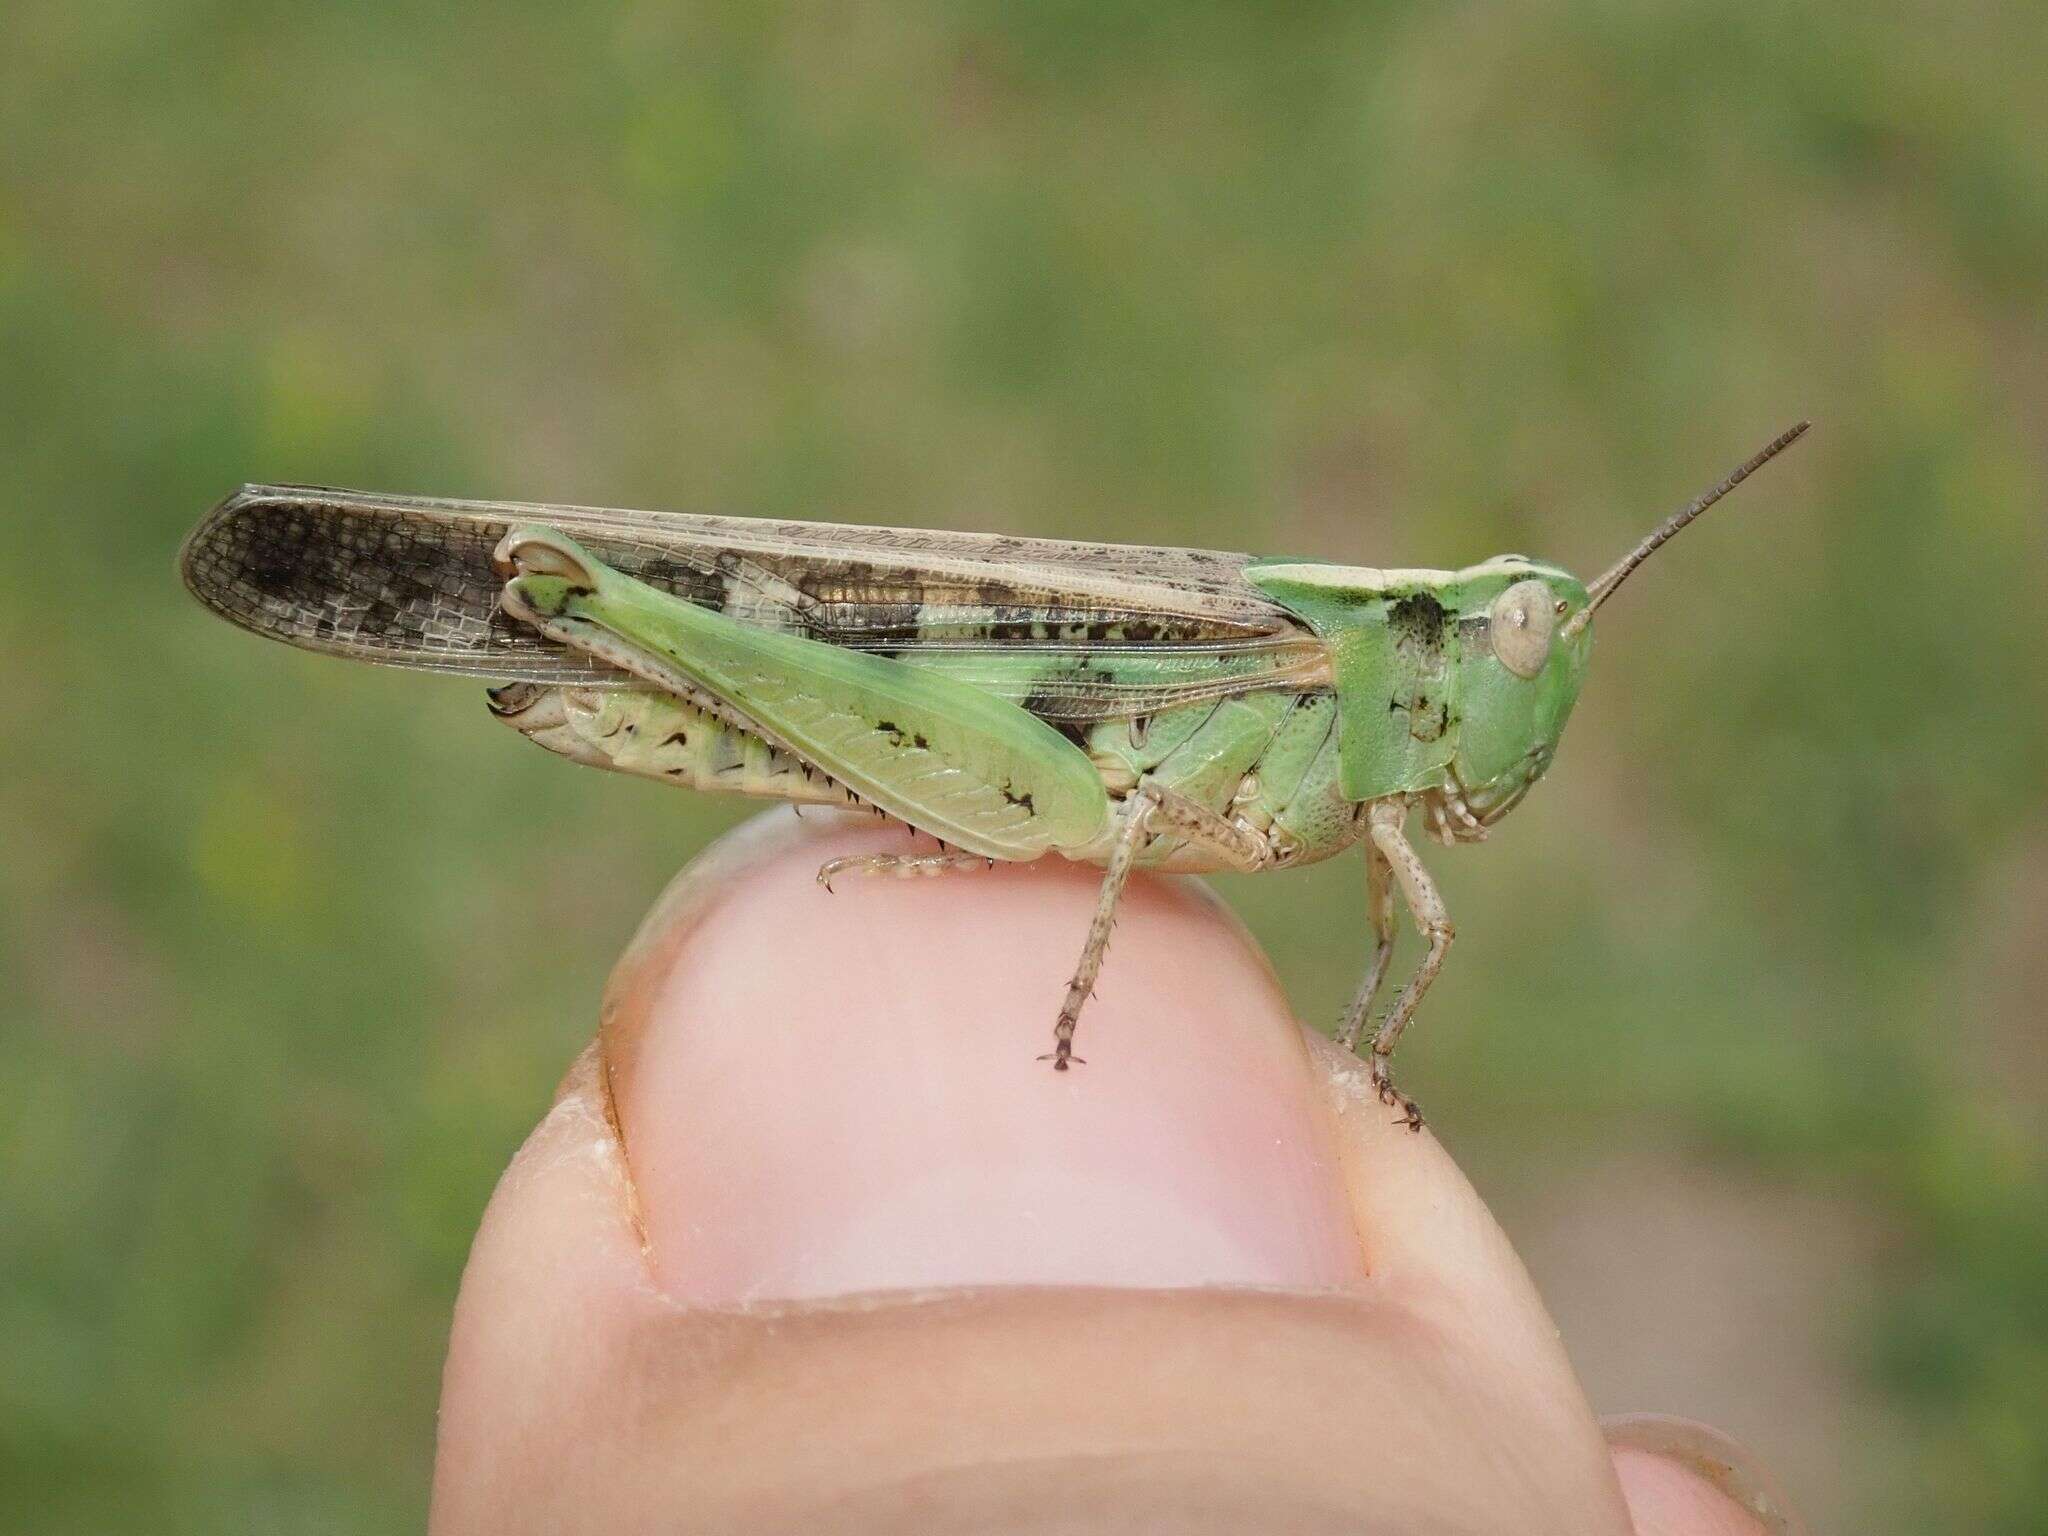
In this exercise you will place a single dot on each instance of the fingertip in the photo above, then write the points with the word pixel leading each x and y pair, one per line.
pixel 1151 1266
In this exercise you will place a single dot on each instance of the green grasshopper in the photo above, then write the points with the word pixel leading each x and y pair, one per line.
pixel 1174 708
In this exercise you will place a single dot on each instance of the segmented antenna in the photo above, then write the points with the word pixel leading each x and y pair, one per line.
pixel 1603 586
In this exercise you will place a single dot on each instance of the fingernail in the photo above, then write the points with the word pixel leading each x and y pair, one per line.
pixel 1726 1465
pixel 828 1093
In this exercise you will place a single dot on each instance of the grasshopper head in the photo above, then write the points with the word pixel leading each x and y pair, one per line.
pixel 1522 661
pixel 1519 689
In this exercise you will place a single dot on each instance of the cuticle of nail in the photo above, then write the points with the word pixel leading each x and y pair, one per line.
pixel 1329 1068
pixel 867 1303
pixel 1720 1459
pixel 636 1210
pixel 676 912
pixel 586 1089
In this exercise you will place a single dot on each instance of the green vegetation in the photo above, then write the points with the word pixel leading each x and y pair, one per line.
pixel 1399 283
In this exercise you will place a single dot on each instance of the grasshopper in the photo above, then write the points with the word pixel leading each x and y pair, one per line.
pixel 1178 709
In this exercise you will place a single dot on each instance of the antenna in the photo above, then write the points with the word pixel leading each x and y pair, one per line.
pixel 1603 586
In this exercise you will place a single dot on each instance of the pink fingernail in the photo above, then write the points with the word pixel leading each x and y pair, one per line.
pixel 826 1094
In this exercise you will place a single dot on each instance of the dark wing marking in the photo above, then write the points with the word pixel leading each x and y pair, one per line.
pixel 407 581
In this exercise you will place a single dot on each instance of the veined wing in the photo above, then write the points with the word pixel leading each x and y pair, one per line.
pixel 1076 631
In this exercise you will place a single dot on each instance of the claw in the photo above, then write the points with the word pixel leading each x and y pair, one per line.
pixel 1394 1098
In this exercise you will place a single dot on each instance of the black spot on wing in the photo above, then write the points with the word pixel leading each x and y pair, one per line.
pixel 272 565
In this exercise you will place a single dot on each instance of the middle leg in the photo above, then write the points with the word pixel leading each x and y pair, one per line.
pixel 1149 806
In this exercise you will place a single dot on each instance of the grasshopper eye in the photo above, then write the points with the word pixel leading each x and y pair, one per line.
pixel 1521 623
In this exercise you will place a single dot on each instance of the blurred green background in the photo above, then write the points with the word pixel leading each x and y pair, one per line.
pixel 1742 1033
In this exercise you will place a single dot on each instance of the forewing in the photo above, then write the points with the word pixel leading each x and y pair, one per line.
pixel 1074 631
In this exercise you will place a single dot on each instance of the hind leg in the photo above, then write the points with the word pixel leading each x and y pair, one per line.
pixel 902 865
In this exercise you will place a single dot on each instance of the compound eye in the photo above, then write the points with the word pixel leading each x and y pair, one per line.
pixel 1522 622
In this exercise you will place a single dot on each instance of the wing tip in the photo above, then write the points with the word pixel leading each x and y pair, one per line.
pixel 202 534
pixel 252 498
pixel 206 535
pixel 266 560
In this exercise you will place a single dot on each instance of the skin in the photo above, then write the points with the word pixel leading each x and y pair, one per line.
pixel 807 1242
